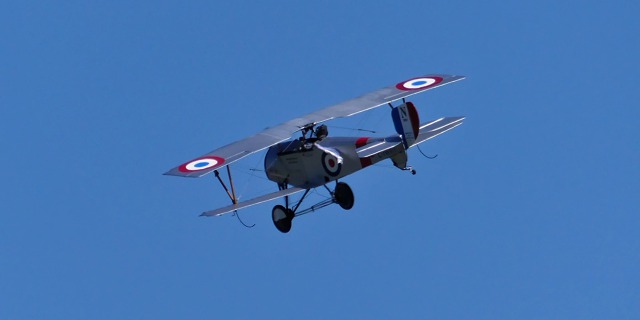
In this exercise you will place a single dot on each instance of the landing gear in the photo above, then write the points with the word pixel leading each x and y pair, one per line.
pixel 282 218
pixel 343 196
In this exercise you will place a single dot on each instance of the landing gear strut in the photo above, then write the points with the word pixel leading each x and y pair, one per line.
pixel 282 216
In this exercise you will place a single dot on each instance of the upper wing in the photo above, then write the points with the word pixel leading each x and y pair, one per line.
pixel 382 96
pixel 266 138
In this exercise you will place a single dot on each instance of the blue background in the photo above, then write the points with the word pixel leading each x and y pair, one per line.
pixel 530 210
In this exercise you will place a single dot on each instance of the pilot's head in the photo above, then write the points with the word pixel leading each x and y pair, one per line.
pixel 321 131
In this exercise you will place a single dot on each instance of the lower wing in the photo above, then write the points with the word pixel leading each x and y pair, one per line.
pixel 254 201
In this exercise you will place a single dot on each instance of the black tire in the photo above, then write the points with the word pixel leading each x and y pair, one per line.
pixel 344 196
pixel 282 218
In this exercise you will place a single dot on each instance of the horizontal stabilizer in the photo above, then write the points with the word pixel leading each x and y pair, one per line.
pixel 377 146
pixel 437 127
pixel 254 201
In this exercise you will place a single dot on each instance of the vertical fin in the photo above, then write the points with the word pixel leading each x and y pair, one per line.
pixel 407 123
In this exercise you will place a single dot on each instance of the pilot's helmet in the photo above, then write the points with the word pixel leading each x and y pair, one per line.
pixel 322 131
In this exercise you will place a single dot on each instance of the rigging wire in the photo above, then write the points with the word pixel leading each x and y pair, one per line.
pixel 247 183
pixel 426 156
pixel 354 129
pixel 235 213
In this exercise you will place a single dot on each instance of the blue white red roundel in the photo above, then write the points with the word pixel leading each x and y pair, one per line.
pixel 201 164
pixel 331 164
pixel 418 83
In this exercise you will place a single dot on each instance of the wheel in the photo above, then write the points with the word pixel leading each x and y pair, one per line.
pixel 282 218
pixel 344 195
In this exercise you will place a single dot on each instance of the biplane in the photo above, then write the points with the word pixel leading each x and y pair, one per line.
pixel 315 160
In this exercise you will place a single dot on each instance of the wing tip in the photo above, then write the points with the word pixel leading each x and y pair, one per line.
pixel 173 174
pixel 190 174
pixel 454 78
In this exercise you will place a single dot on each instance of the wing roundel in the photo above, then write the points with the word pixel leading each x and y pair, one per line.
pixel 220 157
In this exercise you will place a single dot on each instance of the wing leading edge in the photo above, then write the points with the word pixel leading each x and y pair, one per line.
pixel 237 150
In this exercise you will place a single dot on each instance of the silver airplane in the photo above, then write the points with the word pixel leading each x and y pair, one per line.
pixel 314 160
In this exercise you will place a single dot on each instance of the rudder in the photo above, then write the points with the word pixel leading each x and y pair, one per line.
pixel 407 123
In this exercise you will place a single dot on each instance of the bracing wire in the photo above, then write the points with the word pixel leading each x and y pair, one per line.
pixel 235 213
pixel 251 175
pixel 354 129
pixel 426 156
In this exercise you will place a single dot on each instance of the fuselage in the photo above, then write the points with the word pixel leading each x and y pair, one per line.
pixel 312 163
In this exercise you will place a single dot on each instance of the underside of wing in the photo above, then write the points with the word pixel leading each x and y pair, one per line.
pixel 254 201
pixel 235 151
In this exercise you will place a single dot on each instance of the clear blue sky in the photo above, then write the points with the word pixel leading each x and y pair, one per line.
pixel 530 211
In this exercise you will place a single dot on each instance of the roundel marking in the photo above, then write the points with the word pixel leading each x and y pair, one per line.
pixel 418 83
pixel 201 164
pixel 331 164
